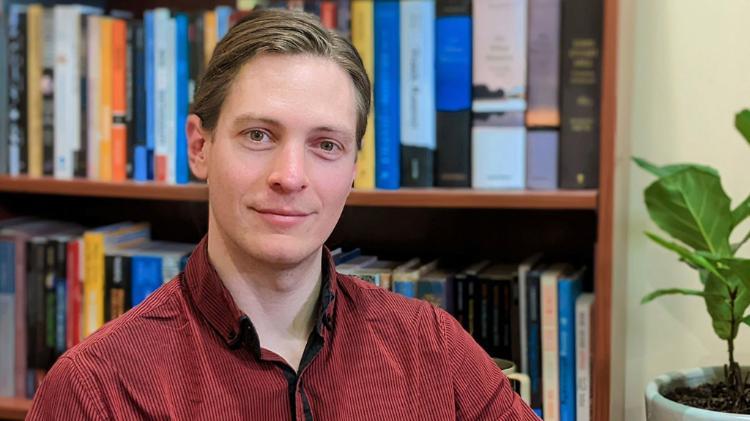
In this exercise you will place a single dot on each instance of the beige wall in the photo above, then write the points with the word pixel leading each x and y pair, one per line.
pixel 684 70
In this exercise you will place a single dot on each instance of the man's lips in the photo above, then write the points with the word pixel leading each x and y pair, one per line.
pixel 281 212
pixel 282 217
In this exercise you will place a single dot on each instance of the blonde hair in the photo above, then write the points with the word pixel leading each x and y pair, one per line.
pixel 277 31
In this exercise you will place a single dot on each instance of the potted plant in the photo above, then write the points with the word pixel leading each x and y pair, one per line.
pixel 688 203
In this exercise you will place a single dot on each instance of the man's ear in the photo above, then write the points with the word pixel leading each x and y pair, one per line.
pixel 199 146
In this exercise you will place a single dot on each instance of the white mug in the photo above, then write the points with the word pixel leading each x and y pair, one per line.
pixel 520 382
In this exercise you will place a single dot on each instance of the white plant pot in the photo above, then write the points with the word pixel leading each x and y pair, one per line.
pixel 659 408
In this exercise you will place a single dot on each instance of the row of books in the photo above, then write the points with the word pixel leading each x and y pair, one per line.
pixel 459 100
pixel 534 313
pixel 60 282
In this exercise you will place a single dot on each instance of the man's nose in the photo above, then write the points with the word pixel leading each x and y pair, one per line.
pixel 288 172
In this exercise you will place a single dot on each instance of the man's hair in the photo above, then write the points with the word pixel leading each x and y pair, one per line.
pixel 276 31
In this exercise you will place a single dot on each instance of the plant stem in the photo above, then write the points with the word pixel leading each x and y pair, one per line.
pixel 735 382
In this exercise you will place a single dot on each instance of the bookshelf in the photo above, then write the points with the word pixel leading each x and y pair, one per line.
pixel 439 221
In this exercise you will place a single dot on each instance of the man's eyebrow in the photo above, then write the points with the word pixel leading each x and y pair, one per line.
pixel 245 119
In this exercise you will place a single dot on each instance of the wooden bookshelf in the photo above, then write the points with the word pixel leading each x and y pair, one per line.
pixel 14 409
pixel 423 198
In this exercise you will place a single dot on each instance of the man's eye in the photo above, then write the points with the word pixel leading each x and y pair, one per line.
pixel 328 146
pixel 256 135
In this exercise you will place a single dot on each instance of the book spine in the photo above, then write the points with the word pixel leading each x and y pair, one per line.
pixel 498 156
pixel 7 320
pixel 544 64
pixel 170 128
pixel 21 316
pixel 405 284
pixel 34 61
pixel 497 323
pixel 453 155
pixel 146 277
pixel 418 132
pixel 535 343
pixel 130 93
pixel 138 110
pixel 93 284
pixel 583 356
pixel 67 91
pixel 105 98
pixel 453 54
pixel 580 93
pixel 146 171
pixel 109 289
pixel 223 13
pixel 35 306
pixel 387 99
pixel 4 79
pixel 61 299
pixel 80 152
pixel 119 100
pixel 568 291
pixel 328 14
pixel 161 92
pixel 514 323
pixel 483 300
pixel 541 159
pixel 550 350
pixel 209 35
pixel 17 149
pixel 499 55
pixel 459 283
pixel 362 39
pixel 182 104
pixel 471 305
pixel 93 95
pixel 50 302
pixel 73 297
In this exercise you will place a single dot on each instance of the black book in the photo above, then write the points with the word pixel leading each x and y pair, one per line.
pixel 48 94
pixel 417 166
pixel 453 155
pixel 18 151
pixel 36 352
pixel 50 301
pixel 580 93
pixel 117 278
pixel 453 8
pixel 130 94
pixel 534 324
pixel 4 158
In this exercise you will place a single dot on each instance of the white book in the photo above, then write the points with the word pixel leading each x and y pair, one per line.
pixel 550 345
pixel 93 62
pixel 498 157
pixel 584 309
pixel 417 61
pixel 161 92
pixel 171 119
pixel 523 271
pixel 67 97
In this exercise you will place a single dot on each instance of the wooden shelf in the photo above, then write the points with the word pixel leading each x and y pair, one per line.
pixel 427 198
pixel 14 408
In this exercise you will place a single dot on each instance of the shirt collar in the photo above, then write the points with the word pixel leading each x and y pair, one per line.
pixel 212 299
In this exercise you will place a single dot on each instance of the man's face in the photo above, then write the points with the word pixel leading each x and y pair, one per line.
pixel 282 157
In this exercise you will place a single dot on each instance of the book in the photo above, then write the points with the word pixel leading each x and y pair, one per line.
pixel 153 264
pixel 417 96
pixel 499 55
pixel 584 347
pixel 7 319
pixel 436 287
pixel 74 278
pixel 544 64
pixel 379 272
pixel 182 81
pixel 550 340
pixel 496 284
pixel 105 99
pixel 163 78
pixel 93 96
pixel 453 154
pixel 34 66
pixel 523 303
pixel 453 55
pixel 568 290
pixel 405 277
pixel 580 93
pixel 17 148
pixel 498 152
pixel 362 16
pixel 387 74
pixel 541 159
pixel 350 266
pixel 4 152
pixel 464 285
pixel 119 99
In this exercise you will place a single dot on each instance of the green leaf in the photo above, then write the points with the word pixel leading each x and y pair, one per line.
pixel 734 270
pixel 667 170
pixel 696 259
pixel 742 123
pixel 691 206
pixel 672 291
pixel 741 212
pixel 717 304
pixel 746 320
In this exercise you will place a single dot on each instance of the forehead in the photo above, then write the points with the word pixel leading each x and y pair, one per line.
pixel 295 89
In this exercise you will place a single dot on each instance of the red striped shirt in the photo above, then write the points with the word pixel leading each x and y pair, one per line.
pixel 188 352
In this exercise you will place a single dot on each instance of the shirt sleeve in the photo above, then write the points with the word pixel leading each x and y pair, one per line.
pixel 66 393
pixel 482 392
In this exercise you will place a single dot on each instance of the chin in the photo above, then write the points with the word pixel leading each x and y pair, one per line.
pixel 283 252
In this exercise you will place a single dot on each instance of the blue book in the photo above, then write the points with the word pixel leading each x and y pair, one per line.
pixel 7 319
pixel 533 320
pixel 568 290
pixel 146 272
pixel 140 113
pixel 387 95
pixel 453 62
pixel 222 21
pixel 182 85
pixel 60 312
pixel 148 23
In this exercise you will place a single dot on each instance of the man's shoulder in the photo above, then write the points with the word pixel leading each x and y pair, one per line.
pixel 161 312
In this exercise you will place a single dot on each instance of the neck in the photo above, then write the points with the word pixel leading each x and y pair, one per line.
pixel 280 301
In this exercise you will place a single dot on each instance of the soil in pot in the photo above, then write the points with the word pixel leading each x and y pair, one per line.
pixel 712 396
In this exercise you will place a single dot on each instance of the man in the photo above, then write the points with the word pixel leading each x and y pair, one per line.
pixel 260 326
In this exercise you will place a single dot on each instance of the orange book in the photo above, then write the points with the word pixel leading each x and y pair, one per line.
pixel 119 98
pixel 328 14
pixel 105 100
pixel 34 60
pixel 210 36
